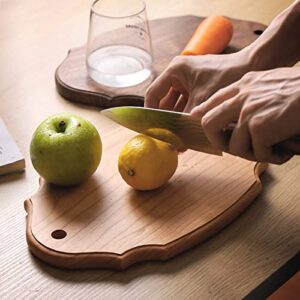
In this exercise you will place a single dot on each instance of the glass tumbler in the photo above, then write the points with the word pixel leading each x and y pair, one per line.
pixel 119 49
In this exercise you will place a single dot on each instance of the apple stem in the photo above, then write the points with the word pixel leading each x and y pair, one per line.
pixel 62 126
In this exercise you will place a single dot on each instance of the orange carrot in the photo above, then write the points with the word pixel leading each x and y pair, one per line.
pixel 211 36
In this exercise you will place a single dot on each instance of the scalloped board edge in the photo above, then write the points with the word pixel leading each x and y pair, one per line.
pixel 94 98
pixel 94 260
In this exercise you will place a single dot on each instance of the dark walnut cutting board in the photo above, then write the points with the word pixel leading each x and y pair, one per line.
pixel 169 36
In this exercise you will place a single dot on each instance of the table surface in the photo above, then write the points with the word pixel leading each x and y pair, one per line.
pixel 35 36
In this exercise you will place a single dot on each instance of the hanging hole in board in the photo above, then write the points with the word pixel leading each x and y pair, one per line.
pixel 58 234
pixel 258 31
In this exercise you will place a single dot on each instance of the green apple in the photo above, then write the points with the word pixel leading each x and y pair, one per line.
pixel 65 149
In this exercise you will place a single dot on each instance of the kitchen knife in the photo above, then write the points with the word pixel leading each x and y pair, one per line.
pixel 178 129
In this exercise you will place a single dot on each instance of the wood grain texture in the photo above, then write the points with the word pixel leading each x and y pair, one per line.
pixel 227 266
pixel 109 225
pixel 169 37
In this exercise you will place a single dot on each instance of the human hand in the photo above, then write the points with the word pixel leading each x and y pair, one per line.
pixel 190 80
pixel 266 109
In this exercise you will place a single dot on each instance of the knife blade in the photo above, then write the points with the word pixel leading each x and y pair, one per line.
pixel 179 129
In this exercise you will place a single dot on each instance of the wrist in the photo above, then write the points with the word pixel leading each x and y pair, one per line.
pixel 279 45
pixel 244 63
pixel 253 61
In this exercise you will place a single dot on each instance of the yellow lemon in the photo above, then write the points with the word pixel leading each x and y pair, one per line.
pixel 146 163
pixel 168 136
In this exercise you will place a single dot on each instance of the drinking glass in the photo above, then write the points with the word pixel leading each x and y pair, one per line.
pixel 119 49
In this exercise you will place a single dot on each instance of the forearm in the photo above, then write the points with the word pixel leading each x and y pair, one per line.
pixel 279 45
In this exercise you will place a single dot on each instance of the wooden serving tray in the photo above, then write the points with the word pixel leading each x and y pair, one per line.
pixel 103 223
pixel 169 36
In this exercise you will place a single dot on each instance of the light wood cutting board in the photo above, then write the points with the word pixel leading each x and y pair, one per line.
pixel 104 223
